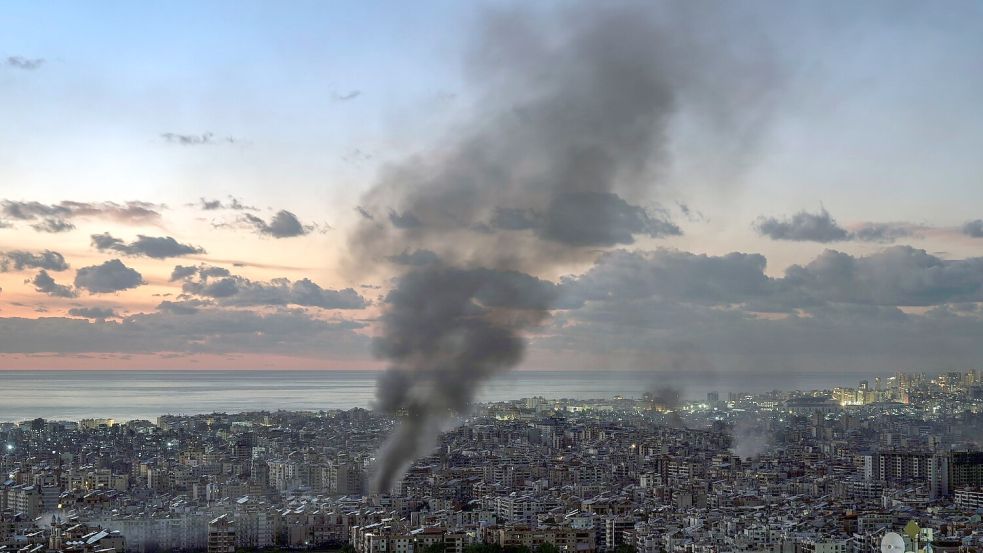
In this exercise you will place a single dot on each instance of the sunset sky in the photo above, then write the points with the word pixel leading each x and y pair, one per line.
pixel 180 186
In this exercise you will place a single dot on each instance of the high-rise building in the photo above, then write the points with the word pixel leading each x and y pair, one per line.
pixel 222 535
pixel 956 470
pixel 897 466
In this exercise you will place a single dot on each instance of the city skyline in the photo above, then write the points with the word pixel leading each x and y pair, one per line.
pixel 567 276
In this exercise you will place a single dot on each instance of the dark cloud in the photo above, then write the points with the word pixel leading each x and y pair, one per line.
pixel 896 276
pixel 157 247
pixel 821 227
pixel 111 276
pixel 973 229
pixel 25 211
pixel 802 227
pixel 53 226
pixel 183 271
pixel 227 289
pixel 283 225
pixel 883 233
pixel 97 313
pixel 45 284
pixel 734 278
pixel 839 310
pixel 233 204
pixel 28 64
pixel 55 217
pixel 18 260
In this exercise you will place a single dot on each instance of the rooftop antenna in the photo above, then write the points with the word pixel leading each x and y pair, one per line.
pixel 892 542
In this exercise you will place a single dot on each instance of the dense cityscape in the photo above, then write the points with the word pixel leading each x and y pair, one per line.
pixel 785 472
pixel 491 276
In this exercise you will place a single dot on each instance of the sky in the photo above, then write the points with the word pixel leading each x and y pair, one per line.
pixel 244 184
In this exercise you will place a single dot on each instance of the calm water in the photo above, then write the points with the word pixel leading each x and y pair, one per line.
pixel 126 395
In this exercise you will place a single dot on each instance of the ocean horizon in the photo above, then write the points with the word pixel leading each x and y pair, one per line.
pixel 147 394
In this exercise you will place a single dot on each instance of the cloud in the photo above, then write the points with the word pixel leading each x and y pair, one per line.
pixel 900 306
pixel 859 337
pixel 184 307
pixel 345 96
pixel 734 278
pixel 821 227
pixel 973 229
pixel 111 276
pixel 183 271
pixel 233 203
pixel 203 139
pixel 157 247
pixel 898 276
pixel 218 284
pixel 283 225
pixel 97 313
pixel 45 284
pixel 884 233
pixel 802 227
pixel 288 332
pixel 53 226
pixel 20 260
pixel 55 217
pixel 27 64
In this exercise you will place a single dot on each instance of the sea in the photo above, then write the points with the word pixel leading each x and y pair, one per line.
pixel 146 394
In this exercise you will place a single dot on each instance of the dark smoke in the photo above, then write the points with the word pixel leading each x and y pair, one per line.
pixel 577 109
pixel 446 331
pixel 666 400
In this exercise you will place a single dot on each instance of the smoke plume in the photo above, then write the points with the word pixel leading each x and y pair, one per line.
pixel 666 400
pixel 563 160
pixel 749 438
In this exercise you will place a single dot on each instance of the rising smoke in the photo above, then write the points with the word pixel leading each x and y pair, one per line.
pixel 666 400
pixel 750 438
pixel 563 160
